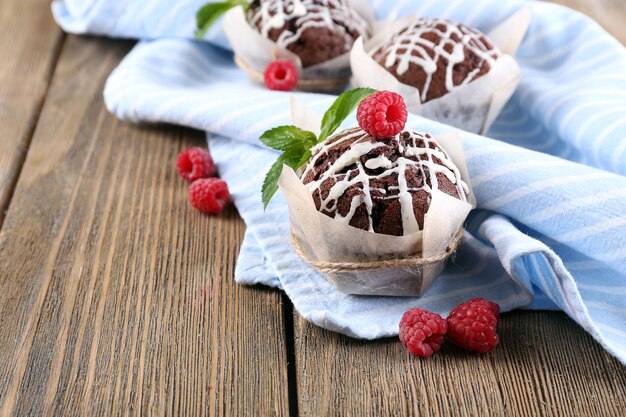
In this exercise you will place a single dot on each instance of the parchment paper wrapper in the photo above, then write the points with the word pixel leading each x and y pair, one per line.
pixel 253 52
pixel 320 239
pixel 472 107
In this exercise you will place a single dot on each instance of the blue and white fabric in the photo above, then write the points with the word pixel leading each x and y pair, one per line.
pixel 549 177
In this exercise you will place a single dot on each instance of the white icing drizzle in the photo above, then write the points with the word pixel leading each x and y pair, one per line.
pixel 361 146
pixel 333 14
pixel 408 47
pixel 380 161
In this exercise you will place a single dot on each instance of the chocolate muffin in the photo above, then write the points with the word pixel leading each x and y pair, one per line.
pixel 436 56
pixel 380 185
pixel 315 30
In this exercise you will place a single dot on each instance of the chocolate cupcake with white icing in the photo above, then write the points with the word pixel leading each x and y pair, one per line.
pixel 444 70
pixel 381 185
pixel 315 30
pixel 437 56
pixel 311 40
pixel 376 209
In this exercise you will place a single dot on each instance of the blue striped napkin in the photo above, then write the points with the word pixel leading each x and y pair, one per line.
pixel 550 229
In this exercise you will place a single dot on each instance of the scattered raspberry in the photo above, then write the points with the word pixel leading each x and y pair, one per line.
pixel 195 163
pixel 281 76
pixel 209 195
pixel 472 325
pixel 382 114
pixel 421 332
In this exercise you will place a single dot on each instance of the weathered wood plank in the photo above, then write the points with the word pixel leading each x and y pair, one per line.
pixel 115 295
pixel 545 366
pixel 29 44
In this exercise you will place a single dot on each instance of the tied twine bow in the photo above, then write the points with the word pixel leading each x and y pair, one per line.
pixel 411 261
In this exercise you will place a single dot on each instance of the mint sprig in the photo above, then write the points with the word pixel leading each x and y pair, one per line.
pixel 296 143
pixel 209 13
pixel 286 138
pixel 345 104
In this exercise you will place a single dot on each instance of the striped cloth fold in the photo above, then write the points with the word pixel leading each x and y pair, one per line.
pixel 550 231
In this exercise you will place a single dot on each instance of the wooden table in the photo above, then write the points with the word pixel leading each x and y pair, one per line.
pixel 116 297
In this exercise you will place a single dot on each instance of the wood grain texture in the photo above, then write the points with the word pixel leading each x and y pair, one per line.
pixel 117 297
pixel 545 365
pixel 29 43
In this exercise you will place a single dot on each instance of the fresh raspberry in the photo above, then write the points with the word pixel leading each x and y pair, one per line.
pixel 382 114
pixel 209 195
pixel 421 332
pixel 281 76
pixel 472 325
pixel 195 163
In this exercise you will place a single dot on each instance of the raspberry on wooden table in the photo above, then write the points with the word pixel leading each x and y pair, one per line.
pixel 421 332
pixel 281 75
pixel 472 325
pixel 382 114
pixel 209 195
pixel 195 163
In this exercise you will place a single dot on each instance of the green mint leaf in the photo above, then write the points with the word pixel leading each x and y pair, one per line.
pixel 341 108
pixel 270 183
pixel 304 159
pixel 287 138
pixel 209 13
pixel 294 159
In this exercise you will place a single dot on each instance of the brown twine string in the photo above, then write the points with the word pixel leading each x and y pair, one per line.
pixel 411 261
pixel 304 84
